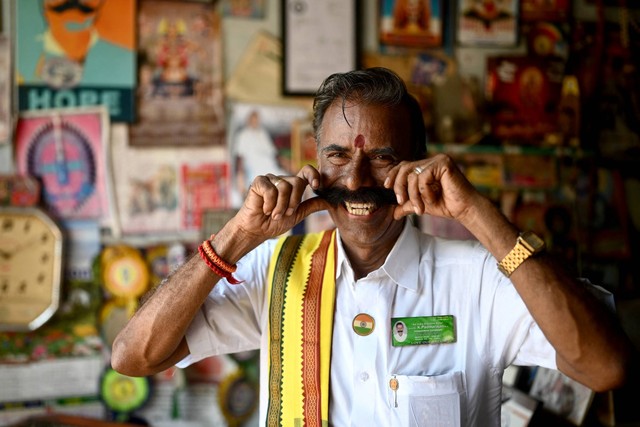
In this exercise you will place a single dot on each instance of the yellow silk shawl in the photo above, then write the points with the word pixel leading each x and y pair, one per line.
pixel 301 305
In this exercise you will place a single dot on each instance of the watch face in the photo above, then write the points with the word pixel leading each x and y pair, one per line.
pixel 30 268
pixel 532 240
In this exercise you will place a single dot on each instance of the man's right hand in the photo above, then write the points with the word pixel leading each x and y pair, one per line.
pixel 274 206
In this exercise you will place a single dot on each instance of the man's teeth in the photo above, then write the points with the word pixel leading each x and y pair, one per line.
pixel 360 208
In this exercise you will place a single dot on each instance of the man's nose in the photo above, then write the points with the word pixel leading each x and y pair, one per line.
pixel 359 174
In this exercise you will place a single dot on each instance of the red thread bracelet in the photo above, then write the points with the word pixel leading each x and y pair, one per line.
pixel 215 258
pixel 215 268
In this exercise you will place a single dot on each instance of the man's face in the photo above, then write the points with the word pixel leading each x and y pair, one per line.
pixel 400 329
pixel 71 15
pixel 354 156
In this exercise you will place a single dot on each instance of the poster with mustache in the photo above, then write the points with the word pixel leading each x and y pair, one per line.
pixel 73 53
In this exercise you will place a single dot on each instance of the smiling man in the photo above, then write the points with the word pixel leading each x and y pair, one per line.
pixel 322 307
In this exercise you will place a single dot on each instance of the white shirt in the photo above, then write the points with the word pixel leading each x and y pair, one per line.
pixel 439 384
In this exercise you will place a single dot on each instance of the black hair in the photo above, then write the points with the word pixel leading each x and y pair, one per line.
pixel 378 86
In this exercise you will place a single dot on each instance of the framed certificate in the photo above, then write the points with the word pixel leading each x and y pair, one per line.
pixel 320 37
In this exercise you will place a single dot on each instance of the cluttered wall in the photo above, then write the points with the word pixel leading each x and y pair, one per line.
pixel 133 135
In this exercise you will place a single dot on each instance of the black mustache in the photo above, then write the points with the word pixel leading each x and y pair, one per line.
pixel 377 195
pixel 72 4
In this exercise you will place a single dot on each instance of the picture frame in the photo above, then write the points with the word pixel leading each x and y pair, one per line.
pixel 180 95
pixel 251 9
pixel 56 68
pixel 66 149
pixel 561 395
pixel 164 190
pixel 518 408
pixel 213 220
pixel 202 187
pixel 480 24
pixel 258 143
pixel 329 30
pixel 406 23
pixel 303 144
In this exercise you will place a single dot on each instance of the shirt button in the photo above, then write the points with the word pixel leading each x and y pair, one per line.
pixel 364 376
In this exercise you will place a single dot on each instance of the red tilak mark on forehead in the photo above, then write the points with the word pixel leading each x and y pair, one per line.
pixel 359 141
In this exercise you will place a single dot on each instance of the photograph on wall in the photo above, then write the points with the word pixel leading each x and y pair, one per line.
pixel 180 73
pixel 203 186
pixel 65 150
pixel 561 395
pixel 259 142
pixel 411 23
pixel 487 22
pixel 542 10
pixel 162 189
pixel 71 54
pixel 251 9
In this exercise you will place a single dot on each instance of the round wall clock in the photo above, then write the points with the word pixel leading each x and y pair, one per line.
pixel 30 268
pixel 62 157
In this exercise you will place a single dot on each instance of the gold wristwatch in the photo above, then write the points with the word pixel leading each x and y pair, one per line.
pixel 528 244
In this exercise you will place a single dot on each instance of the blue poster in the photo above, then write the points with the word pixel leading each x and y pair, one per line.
pixel 73 53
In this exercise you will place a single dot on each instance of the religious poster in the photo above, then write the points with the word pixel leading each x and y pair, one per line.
pixel 66 150
pixel 411 23
pixel 180 92
pixel 523 94
pixel 544 10
pixel 488 22
pixel 70 54
pixel 204 187
pixel 259 141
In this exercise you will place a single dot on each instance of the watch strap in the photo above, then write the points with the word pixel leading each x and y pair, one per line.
pixel 514 258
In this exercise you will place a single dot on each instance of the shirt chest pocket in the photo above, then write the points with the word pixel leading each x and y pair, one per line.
pixel 428 400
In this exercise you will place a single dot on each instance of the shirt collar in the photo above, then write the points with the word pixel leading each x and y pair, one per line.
pixel 401 263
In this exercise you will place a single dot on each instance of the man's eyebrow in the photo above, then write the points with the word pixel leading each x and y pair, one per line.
pixel 335 147
pixel 384 151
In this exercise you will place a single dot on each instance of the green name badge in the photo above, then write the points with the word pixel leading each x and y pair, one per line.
pixel 422 330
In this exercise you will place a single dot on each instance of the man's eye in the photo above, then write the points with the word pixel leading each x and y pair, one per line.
pixel 383 160
pixel 337 155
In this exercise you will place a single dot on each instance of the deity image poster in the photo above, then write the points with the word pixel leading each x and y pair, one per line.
pixel 411 23
pixel 180 93
pixel 488 22
pixel 71 54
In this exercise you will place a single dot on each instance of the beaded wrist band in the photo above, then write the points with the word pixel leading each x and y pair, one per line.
pixel 217 264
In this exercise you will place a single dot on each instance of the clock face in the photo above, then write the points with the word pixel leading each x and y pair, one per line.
pixel 30 268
